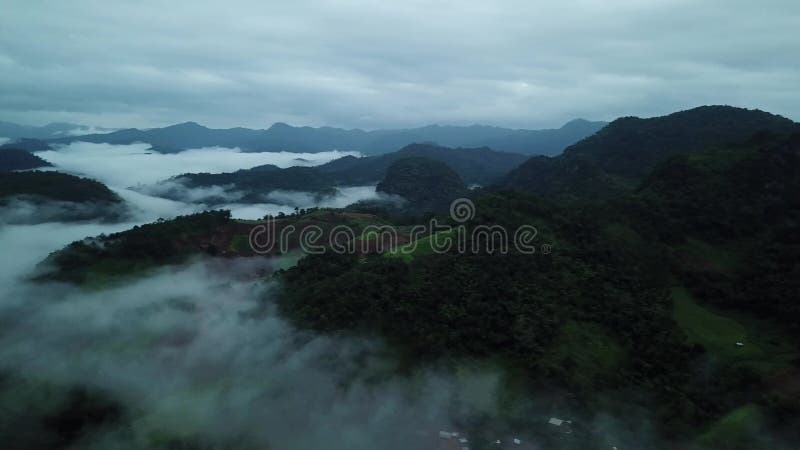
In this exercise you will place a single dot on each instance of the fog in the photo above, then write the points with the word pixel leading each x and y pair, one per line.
pixel 155 197
pixel 128 165
pixel 138 175
pixel 197 353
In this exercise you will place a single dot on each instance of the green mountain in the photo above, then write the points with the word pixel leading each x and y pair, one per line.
pixel 473 165
pixel 618 157
pixel 259 181
pixel 16 159
pixel 55 186
pixel 684 288
pixel 56 197
pixel 666 295
pixel 29 145
pixel 732 214
pixel 427 184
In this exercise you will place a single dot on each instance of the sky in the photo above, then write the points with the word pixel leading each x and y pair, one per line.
pixel 372 64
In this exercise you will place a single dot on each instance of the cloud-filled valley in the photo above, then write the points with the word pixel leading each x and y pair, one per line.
pixel 138 175
pixel 190 354
pixel 424 225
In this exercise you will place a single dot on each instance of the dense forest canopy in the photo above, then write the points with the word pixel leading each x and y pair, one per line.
pixel 54 186
pixel 16 159
pixel 618 157
pixel 664 282
pixel 473 165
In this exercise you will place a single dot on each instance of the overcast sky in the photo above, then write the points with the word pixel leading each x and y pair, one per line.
pixel 372 64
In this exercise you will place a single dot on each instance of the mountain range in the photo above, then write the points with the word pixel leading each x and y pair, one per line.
pixel 670 291
pixel 283 137
pixel 618 157
pixel 473 165
pixel 49 131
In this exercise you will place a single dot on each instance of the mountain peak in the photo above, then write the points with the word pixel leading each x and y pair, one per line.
pixel 187 126
pixel 578 123
pixel 278 126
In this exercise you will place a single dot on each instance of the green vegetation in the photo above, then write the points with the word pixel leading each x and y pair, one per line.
pixel 259 181
pixel 420 247
pixel 54 186
pixel 741 429
pixel 515 307
pixel 648 291
pixel 105 259
pixel 615 160
pixel 17 159
pixel 584 354
pixel 474 165
pixel 717 334
pixel 427 184
pixel 42 415
pixel 602 313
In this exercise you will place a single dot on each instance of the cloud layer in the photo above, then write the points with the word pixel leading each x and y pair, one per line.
pixel 197 353
pixel 370 64
pixel 129 165
pixel 123 167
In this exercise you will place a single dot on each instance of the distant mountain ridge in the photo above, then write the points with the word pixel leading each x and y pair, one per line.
pixel 50 131
pixel 473 165
pixel 618 157
pixel 427 184
pixel 12 159
pixel 283 137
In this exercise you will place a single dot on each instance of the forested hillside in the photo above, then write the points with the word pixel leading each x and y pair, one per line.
pixel 618 157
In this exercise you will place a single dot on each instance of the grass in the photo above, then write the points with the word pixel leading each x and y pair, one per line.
pixel 736 430
pixel 723 260
pixel 419 247
pixel 240 244
pixel 765 347
pixel 718 334
pixel 622 233
pixel 592 353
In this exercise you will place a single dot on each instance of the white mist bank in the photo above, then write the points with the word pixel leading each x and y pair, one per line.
pixel 129 165
pixel 132 171
pixel 198 353
pixel 193 355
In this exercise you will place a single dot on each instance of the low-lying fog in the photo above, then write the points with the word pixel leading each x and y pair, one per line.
pixel 133 171
pixel 196 353
pixel 128 165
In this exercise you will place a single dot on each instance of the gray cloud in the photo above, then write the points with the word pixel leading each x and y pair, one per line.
pixel 387 64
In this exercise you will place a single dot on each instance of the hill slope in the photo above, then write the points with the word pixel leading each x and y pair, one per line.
pixel 427 184
pixel 685 288
pixel 16 159
pixel 473 165
pixel 618 157
pixel 34 197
